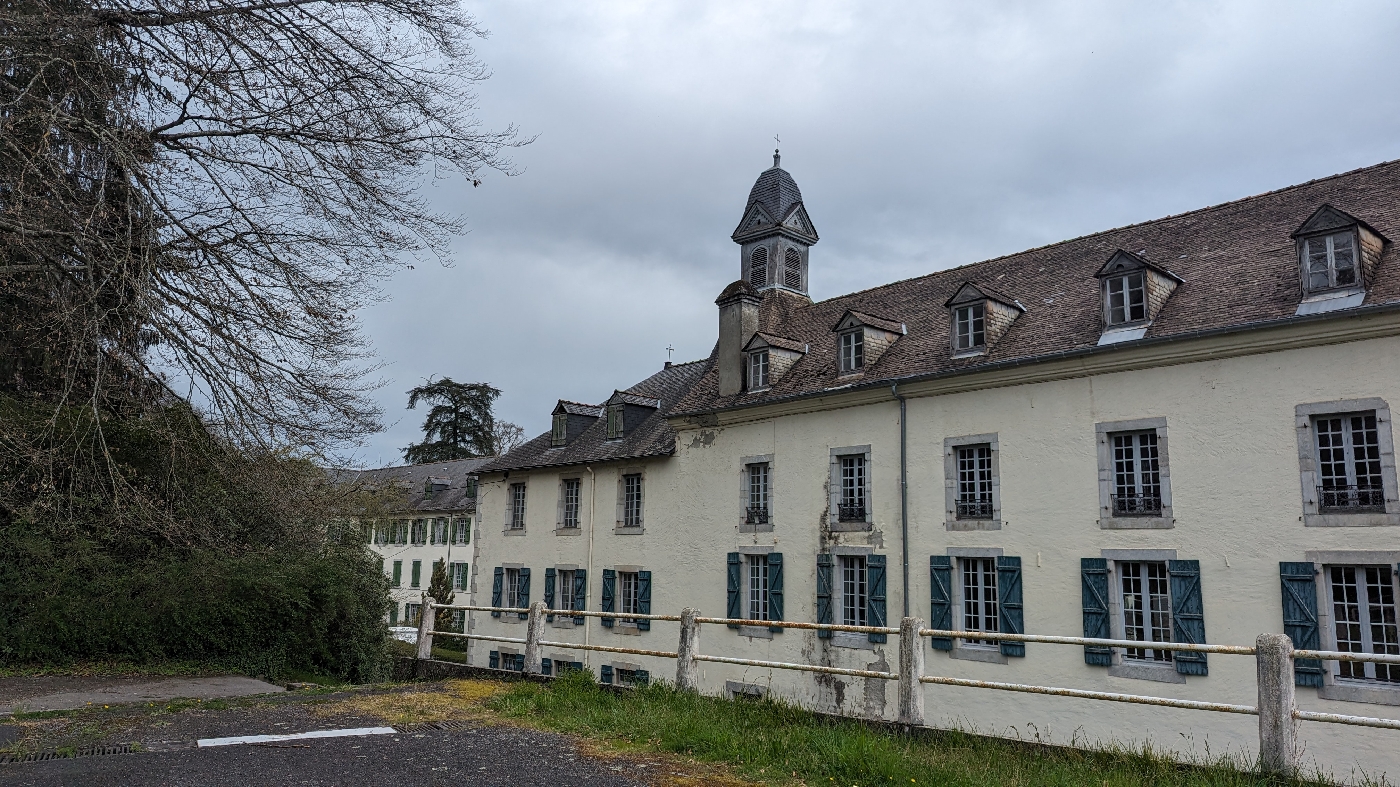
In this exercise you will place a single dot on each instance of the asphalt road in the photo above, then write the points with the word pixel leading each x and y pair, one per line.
pixel 484 756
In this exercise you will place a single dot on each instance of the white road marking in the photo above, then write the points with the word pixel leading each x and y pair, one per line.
pixel 237 739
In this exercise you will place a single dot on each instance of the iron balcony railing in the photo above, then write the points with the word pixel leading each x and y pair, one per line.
pixel 1350 498
pixel 851 513
pixel 756 515
pixel 974 509
pixel 1137 505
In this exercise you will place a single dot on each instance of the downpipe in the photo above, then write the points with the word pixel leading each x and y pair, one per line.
pixel 903 493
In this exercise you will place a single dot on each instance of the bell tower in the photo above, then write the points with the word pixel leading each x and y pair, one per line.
pixel 775 234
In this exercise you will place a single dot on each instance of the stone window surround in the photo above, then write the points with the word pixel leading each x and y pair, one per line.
pixel 834 490
pixel 623 625
pixel 622 500
pixel 1107 521
pixel 950 483
pixel 744 463
pixel 1307 463
pixel 559 529
pixel 753 632
pixel 511 618
pixel 562 620
pixel 1161 673
pixel 510 508
pixel 1331 688
pixel 989 654
pixel 846 639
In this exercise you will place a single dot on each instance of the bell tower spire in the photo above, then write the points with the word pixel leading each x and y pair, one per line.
pixel 775 233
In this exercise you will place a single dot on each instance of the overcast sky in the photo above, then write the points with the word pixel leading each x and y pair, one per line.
pixel 923 135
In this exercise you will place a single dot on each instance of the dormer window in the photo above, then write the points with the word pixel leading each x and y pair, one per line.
pixel 1125 299
pixel 970 327
pixel 852 351
pixel 1331 261
pixel 758 370
pixel 615 421
pixel 559 435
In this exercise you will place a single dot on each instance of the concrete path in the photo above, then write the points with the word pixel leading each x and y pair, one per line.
pixel 69 693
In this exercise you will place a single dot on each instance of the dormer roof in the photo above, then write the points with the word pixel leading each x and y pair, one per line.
pixel 625 397
pixel 761 340
pixel 1327 218
pixel 853 319
pixel 775 206
pixel 1122 262
pixel 967 292
pixel 577 408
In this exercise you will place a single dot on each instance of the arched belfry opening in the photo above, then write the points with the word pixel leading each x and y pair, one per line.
pixel 775 233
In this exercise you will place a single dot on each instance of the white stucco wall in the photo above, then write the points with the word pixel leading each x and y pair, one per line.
pixel 1237 507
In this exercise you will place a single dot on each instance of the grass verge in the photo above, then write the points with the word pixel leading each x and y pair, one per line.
pixel 776 743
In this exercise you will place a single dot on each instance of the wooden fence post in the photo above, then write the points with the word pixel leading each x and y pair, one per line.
pixel 426 617
pixel 911 668
pixel 1278 729
pixel 687 670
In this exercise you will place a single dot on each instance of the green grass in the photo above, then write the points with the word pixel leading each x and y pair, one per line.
pixel 780 744
pixel 105 669
pixel 400 648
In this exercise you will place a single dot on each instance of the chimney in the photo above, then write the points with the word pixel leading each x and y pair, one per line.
pixel 738 321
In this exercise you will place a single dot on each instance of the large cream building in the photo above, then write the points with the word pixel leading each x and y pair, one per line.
pixel 1173 431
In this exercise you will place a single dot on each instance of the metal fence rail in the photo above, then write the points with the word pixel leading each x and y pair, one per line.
pixel 858 673
pixel 1137 699
pixel 1229 650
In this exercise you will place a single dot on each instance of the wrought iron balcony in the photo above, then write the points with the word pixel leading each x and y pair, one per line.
pixel 756 515
pixel 1137 505
pixel 974 509
pixel 850 513
pixel 1350 498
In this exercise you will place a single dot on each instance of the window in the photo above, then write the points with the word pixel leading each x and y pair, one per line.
pixel 852 351
pixel 1363 611
pixel 974 468
pixel 1348 463
pixel 410 614
pixel 1147 615
pixel 792 269
pixel 628 588
pixel 852 500
pixel 559 433
pixel 463 532
pixel 401 532
pixel 564 589
pixel 420 531
pixel 417 574
pixel 1137 478
pixel 570 494
pixel 513 597
pixel 757 511
pixel 398 573
pixel 758 370
pixel 757 607
pixel 854 597
pixel 979 596
pixel 440 530
pixel 459 576
pixel 517 506
pixel 970 327
pixel 1331 261
pixel 758 267
pixel 615 422
pixel 1126 299
pixel 632 500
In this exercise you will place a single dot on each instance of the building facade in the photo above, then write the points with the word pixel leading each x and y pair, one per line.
pixel 1174 431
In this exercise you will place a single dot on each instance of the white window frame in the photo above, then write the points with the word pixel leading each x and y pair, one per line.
pixel 516 501
pixel 440 530
pixel 1329 259
pixel 1333 687
pixel 1140 584
pixel 564 588
pixel 631 515
pixel 570 503
pixel 510 578
pixel 747 493
pixel 970 328
pixel 463 533
pixel 1309 476
pixel 1366 580
pixel 980 605
pixel 756 587
pixel 460 575
pixel 629 593
pixel 837 489
pixel 1122 665
pixel 852 590
pixel 852 351
pixel 952 482
pixel 759 370
pixel 1109 518
pixel 1118 305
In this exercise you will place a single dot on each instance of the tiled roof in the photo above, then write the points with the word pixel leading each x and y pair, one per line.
pixel 410 484
pixel 625 397
pixel 653 437
pixel 1237 262
pixel 893 326
pixel 782 342
pixel 579 408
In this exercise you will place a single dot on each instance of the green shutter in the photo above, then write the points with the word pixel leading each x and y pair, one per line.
pixel 394 615
pixel 609 600
pixel 605 674
pixel 417 573
pixel 1300 618
pixel 524 592
pixel 875 599
pixel 775 589
pixel 549 577
pixel 734 608
pixel 497 582
pixel 824 609
pixel 1010 611
pixel 940 599
pixel 1188 614
pixel 644 599
pixel 398 573
pixel 580 594
pixel 546 667
pixel 494 660
pixel 641 677
pixel 1093 574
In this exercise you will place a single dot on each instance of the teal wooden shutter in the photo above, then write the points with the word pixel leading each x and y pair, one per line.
pixel 875 598
pixel 494 660
pixel 1300 618
pixel 609 600
pixel 498 576
pixel 1093 574
pixel 1188 614
pixel 641 678
pixel 546 667
pixel 398 573
pixel 417 573
pixel 580 594
pixel 644 599
pixel 940 599
pixel 394 615
pixel 549 578
pixel 824 609
pixel 734 600
pixel 524 592
pixel 775 589
pixel 605 672
pixel 1010 611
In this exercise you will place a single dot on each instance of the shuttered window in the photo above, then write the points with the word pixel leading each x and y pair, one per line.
pixel 940 617
pixel 979 597
pixel 1300 618
pixel 826 612
pixel 1363 614
pixel 792 269
pixel 463 532
pixel 417 574
pixel 854 591
pixel 609 596
pixel 559 433
pixel 459 576
pixel 517 507
pixel 398 573
pixel 758 267
pixel 1146 603
pixel 628 595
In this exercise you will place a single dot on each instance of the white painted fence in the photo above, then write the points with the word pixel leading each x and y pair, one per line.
pixel 1274 656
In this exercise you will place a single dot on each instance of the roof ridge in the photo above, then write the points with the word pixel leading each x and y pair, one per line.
pixel 1169 217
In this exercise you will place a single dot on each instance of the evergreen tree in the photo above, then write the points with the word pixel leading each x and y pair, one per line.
pixel 459 425
pixel 440 589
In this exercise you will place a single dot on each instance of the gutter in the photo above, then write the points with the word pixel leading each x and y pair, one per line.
pixel 903 492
